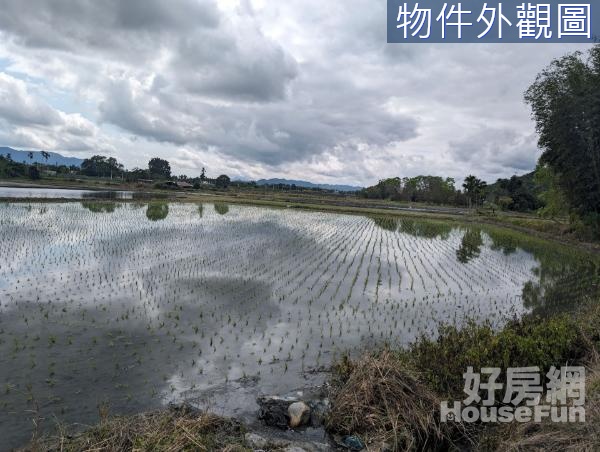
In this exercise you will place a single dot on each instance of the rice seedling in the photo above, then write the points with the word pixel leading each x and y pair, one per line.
pixel 142 305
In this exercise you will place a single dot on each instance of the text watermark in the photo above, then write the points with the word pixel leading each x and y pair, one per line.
pixel 524 396
pixel 495 21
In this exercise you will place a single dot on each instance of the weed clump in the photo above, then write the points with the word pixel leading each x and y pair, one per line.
pixel 393 397
pixel 382 399
pixel 177 429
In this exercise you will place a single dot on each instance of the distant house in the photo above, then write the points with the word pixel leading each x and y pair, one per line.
pixel 178 184
pixel 145 181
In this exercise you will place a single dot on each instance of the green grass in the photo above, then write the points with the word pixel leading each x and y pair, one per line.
pixel 528 342
pixel 393 396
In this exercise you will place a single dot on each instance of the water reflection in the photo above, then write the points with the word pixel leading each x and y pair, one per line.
pixel 157 211
pixel 418 228
pixel 562 285
pixel 560 278
pixel 504 242
pixel 386 223
pixel 68 193
pixel 221 208
pixel 425 228
pixel 107 195
pixel 101 207
pixel 470 246
pixel 138 312
pixel 122 195
pixel 564 278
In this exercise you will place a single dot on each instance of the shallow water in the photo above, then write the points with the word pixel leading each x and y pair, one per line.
pixel 136 305
pixel 53 193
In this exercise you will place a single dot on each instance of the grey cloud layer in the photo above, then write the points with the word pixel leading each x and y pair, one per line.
pixel 217 81
pixel 301 86
pixel 107 24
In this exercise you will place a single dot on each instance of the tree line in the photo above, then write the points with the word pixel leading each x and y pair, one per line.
pixel 10 168
pixel 158 171
pixel 565 105
pixel 525 193
pixel 429 189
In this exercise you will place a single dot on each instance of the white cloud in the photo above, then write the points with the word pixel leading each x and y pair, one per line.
pixel 28 121
pixel 300 89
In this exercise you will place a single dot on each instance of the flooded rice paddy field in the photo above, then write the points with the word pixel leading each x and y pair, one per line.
pixel 136 305
pixel 69 193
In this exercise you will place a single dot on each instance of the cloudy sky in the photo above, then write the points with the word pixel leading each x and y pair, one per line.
pixel 304 89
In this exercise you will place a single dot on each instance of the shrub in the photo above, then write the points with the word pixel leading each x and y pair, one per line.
pixel 381 399
pixel 525 342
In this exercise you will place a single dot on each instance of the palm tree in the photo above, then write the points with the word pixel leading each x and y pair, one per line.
pixel 474 188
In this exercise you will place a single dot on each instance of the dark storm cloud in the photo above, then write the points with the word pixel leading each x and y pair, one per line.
pixel 107 24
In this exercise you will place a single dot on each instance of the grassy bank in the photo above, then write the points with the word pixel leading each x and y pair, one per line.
pixel 178 429
pixel 393 397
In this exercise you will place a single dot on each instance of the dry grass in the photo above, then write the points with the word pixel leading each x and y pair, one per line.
pixel 179 429
pixel 551 436
pixel 379 399
pixel 390 397
pixel 383 402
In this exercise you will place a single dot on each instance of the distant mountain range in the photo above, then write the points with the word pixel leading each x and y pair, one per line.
pixel 54 159
pixel 305 184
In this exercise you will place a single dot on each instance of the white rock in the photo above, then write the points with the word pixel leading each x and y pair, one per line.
pixel 294 449
pixel 255 441
pixel 299 413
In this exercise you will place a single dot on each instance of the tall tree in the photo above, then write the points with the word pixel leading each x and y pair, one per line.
pixel 101 166
pixel 516 193
pixel 223 181
pixel 159 168
pixel 555 203
pixel 34 173
pixel 565 102
pixel 474 189
pixel 114 167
